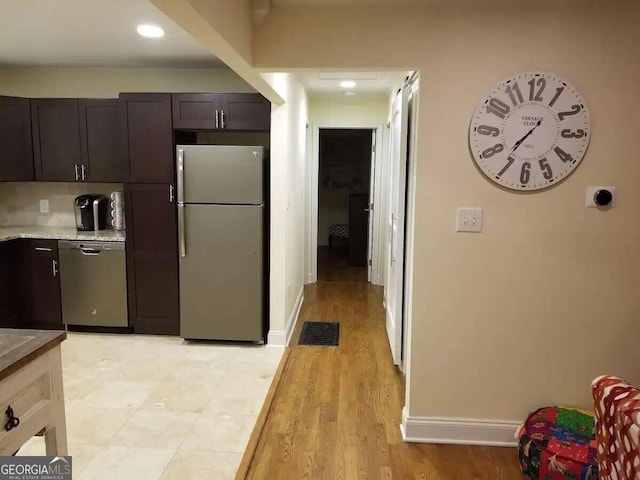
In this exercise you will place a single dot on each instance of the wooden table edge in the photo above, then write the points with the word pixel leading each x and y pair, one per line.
pixel 29 352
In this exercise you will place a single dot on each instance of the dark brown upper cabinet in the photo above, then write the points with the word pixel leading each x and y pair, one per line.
pixel 221 111
pixel 245 111
pixel 56 139
pixel 196 111
pixel 146 122
pixel 16 152
pixel 103 147
pixel 152 258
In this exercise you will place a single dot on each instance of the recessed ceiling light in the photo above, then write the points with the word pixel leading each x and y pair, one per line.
pixel 150 31
pixel 347 84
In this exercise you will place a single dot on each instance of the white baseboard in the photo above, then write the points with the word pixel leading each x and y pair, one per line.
pixel 281 338
pixel 458 431
pixel 276 338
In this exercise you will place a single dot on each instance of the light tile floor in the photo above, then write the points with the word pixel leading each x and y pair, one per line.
pixel 159 408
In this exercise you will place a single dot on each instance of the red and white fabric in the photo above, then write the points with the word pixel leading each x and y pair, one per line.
pixel 617 407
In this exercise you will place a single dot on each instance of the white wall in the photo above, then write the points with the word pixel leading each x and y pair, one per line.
pixel 109 82
pixel 345 112
pixel 224 26
pixel 546 297
pixel 288 159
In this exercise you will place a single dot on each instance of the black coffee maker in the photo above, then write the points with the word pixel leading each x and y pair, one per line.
pixel 91 212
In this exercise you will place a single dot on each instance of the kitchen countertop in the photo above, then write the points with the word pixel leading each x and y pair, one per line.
pixel 59 233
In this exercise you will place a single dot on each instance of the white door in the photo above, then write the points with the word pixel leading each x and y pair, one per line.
pixel 372 193
pixel 396 222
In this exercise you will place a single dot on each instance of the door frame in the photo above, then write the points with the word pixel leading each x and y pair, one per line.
pixel 313 173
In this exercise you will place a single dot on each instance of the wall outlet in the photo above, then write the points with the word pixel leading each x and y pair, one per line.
pixel 469 220
pixel 44 206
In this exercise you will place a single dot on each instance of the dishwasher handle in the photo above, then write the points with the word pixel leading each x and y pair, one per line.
pixel 90 251
pixel 90 246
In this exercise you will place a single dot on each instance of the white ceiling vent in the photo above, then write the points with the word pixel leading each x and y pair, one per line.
pixel 348 75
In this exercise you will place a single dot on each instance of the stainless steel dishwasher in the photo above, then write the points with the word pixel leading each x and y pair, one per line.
pixel 93 281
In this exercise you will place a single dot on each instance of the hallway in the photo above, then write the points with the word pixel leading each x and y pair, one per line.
pixel 336 411
pixel 333 266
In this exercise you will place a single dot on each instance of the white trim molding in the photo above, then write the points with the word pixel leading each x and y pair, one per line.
pixel 458 431
pixel 281 338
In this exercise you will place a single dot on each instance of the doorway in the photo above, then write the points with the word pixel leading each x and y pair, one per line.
pixel 345 194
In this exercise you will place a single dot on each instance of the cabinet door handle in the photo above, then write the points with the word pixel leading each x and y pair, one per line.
pixel 217 124
pixel 77 172
pixel 43 249
pixel 84 172
pixel 171 197
pixel 54 264
pixel 222 118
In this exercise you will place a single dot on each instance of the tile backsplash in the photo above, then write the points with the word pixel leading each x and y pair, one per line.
pixel 20 202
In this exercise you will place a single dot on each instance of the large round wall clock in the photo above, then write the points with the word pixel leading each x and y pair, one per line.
pixel 530 132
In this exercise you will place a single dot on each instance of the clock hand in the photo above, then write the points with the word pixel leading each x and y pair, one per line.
pixel 520 142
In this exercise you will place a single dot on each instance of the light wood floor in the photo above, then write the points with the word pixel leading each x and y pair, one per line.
pixel 333 266
pixel 336 411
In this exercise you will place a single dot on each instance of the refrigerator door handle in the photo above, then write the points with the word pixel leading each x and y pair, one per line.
pixel 181 239
pixel 217 122
pixel 180 175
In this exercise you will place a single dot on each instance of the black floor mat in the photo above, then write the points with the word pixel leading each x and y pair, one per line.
pixel 323 334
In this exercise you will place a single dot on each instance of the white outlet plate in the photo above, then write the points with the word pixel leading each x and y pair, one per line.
pixel 469 220
pixel 591 191
pixel 44 206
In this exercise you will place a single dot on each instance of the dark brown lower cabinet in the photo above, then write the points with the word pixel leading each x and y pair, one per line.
pixel 152 259
pixel 44 304
pixel 10 279
pixel 30 284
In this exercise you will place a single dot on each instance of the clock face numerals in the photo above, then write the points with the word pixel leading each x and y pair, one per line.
pixel 531 132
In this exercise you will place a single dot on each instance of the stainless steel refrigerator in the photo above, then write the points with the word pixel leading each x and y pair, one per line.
pixel 220 230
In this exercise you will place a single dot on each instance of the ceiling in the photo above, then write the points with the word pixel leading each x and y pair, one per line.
pixel 367 83
pixel 93 33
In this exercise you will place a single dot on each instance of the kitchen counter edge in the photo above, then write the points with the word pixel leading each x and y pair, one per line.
pixel 43 233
